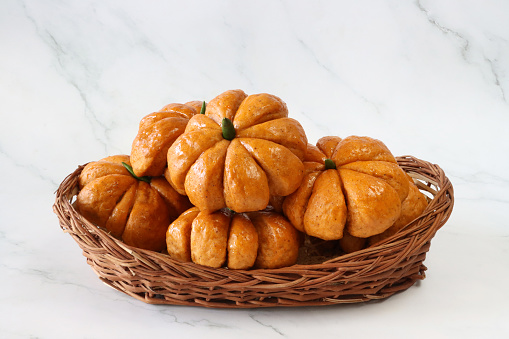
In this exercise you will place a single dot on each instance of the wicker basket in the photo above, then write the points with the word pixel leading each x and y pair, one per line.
pixel 376 272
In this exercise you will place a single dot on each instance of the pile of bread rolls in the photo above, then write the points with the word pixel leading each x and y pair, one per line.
pixel 234 183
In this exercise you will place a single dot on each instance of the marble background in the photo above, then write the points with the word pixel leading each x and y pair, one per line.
pixel 429 78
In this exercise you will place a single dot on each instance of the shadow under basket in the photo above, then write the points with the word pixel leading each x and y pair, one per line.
pixel 377 272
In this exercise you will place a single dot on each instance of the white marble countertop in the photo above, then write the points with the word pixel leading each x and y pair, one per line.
pixel 429 78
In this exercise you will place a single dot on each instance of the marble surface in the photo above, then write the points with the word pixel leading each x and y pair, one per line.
pixel 429 78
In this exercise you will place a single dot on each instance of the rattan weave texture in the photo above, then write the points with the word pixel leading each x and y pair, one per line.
pixel 377 272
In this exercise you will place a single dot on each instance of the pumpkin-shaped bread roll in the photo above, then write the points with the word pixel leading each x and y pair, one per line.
pixel 234 240
pixel 133 209
pixel 240 152
pixel 353 183
pixel 156 133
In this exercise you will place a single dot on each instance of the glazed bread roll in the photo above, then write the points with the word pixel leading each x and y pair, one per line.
pixel 262 239
pixel 136 211
pixel 351 185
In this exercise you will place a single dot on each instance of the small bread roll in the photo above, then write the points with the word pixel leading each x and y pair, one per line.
pixel 242 243
pixel 238 241
pixel 278 240
pixel 209 237
pixel 178 236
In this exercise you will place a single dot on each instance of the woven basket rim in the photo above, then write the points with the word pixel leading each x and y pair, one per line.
pixel 376 272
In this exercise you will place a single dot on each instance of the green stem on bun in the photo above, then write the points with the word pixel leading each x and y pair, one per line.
pixel 228 129
pixel 130 170
pixel 203 107
pixel 329 164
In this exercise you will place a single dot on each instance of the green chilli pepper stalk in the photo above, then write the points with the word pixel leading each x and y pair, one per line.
pixel 329 164
pixel 130 170
pixel 228 129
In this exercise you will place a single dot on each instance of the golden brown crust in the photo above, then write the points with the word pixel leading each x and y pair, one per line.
pixel 150 146
pixel 310 167
pixel 204 180
pixel 278 240
pixel 355 148
pixel 246 187
pixel 103 167
pixel 181 109
pixel 283 169
pixel 373 205
pixel 242 243
pixel 155 117
pixel 314 155
pixel 202 122
pixel 157 132
pixel 178 235
pixel 148 220
pixel 225 105
pixel 118 217
pixel 327 196
pixel 285 131
pixel 328 145
pixel 176 202
pixel 411 208
pixel 185 151
pixel 389 172
pixel 294 205
pixel 196 104
pixel 257 109
pixel 97 200
pixel 209 237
